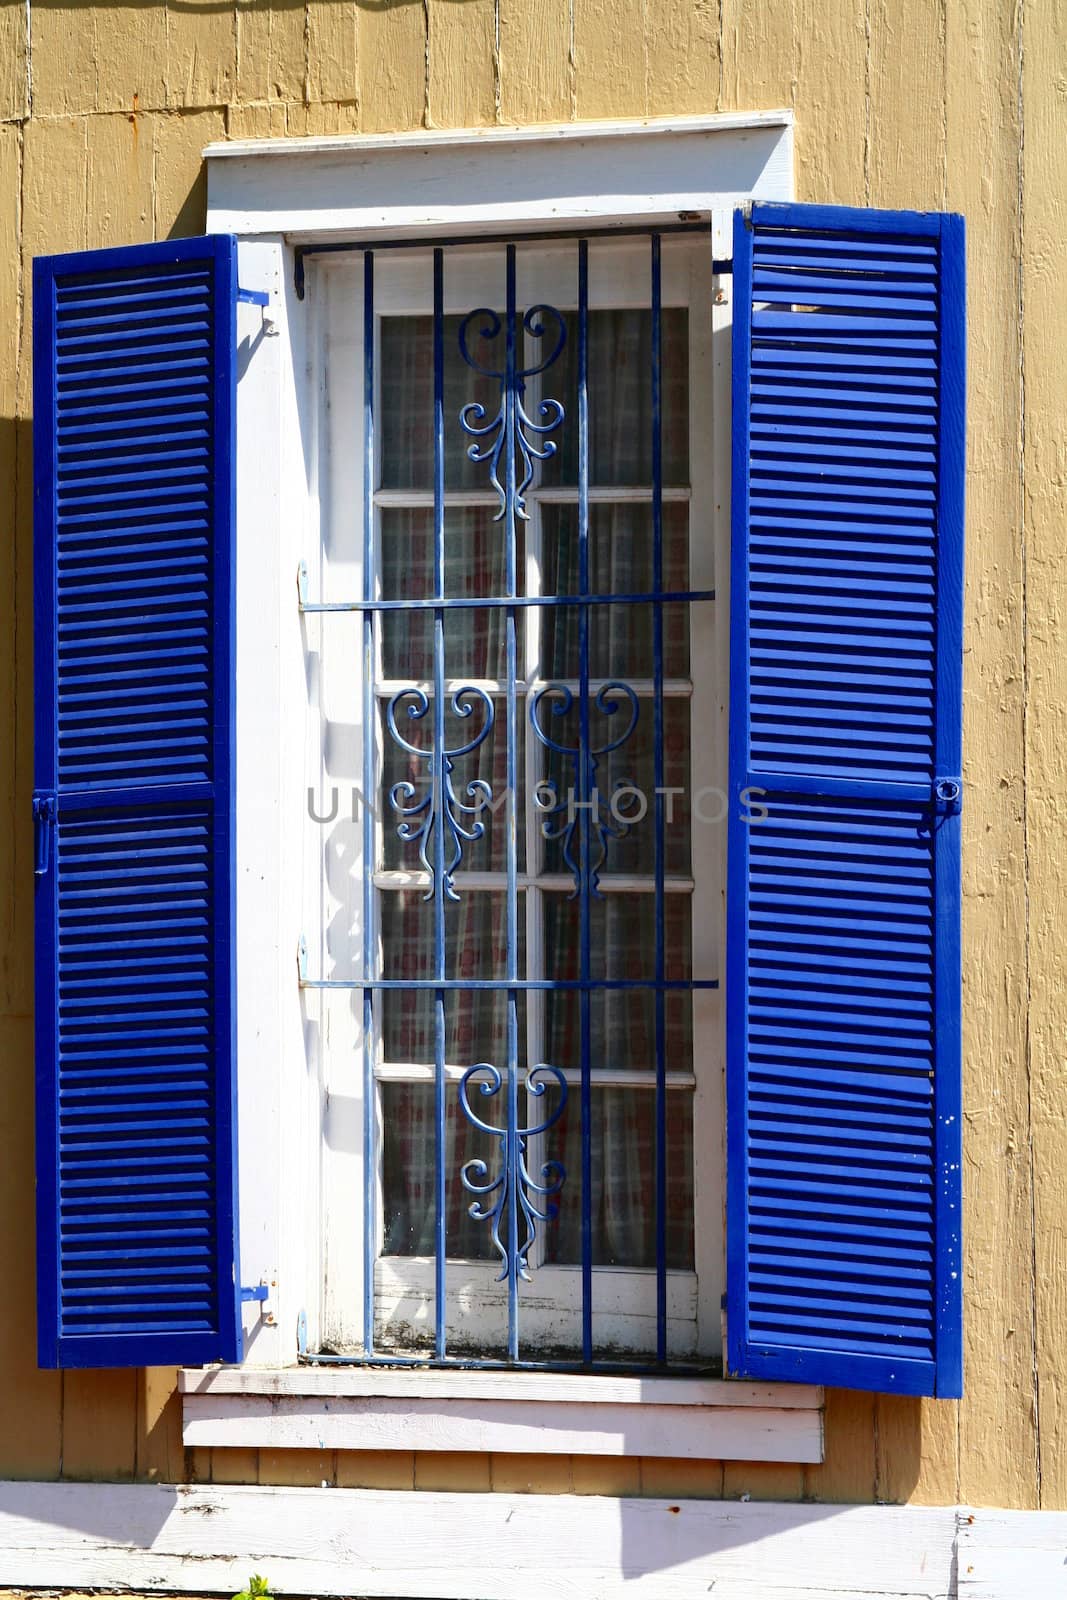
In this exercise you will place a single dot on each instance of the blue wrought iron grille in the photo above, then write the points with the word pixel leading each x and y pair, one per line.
pixel 521 412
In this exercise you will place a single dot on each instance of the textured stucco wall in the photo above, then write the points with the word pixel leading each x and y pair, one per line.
pixel 104 110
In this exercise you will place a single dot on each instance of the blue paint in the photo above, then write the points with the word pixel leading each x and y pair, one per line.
pixel 370 1088
pixel 512 509
pixel 127 788
pixel 441 804
pixel 842 960
pixel 586 785
pixel 656 273
pixel 438 817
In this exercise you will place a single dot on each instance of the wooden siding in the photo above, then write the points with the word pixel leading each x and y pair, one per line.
pixel 104 110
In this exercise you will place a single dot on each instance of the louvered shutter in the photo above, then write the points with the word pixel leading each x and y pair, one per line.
pixel 134 398
pixel 843 979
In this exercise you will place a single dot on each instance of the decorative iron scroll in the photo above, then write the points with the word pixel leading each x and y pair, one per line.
pixel 605 823
pixel 514 1184
pixel 419 816
pixel 512 424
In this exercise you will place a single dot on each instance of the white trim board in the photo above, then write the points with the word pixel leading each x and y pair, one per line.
pixel 486 180
pixel 329 1382
pixel 549 1413
pixel 385 1545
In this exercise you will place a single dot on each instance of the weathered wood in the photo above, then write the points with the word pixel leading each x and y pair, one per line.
pixel 271 51
pixel 160 1455
pixel 461 84
pixel 560 1387
pixel 682 62
pixel 610 58
pixel 459 1546
pixel 997 1440
pixel 392 67
pixel 536 65
pixel 100 1424
pixel 1044 311
pixel 384 1422
pixel 1011 1555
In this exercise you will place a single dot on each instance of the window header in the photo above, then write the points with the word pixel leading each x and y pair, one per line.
pixel 489 180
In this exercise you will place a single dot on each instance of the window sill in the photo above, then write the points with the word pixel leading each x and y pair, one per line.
pixel 308 1408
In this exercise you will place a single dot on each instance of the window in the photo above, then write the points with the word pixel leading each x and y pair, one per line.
pixel 154 929
pixel 610 884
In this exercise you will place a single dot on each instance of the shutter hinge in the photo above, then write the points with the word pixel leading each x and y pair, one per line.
pixel 259 1292
pixel 948 796
pixel 260 298
pixel 44 816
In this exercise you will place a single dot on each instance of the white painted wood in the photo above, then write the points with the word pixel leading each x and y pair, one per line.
pixel 610 883
pixel 388 1422
pixel 624 1308
pixel 711 774
pixel 277 1098
pixel 602 1077
pixel 473 181
pixel 528 133
pixel 1012 1555
pixel 325 1383
pixel 549 495
pixel 469 1546
pixel 708 553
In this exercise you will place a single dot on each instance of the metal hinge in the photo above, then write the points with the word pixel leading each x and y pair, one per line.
pixel 948 796
pixel 260 298
pixel 44 817
pixel 259 1292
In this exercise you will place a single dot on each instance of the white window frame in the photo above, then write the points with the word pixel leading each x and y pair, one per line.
pixel 275 195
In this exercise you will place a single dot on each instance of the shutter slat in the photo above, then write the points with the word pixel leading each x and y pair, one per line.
pixel 843 1116
pixel 134 413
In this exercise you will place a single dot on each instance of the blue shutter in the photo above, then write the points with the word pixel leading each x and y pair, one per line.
pixel 134 398
pixel 843 976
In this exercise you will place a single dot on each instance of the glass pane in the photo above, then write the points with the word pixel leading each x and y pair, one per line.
pixel 620 399
pixel 475 948
pixel 620 547
pixel 626 791
pixel 475 556
pixel 408 1166
pixel 479 782
pixel 620 562
pixel 406 401
pixel 475 644
pixel 623 1021
pixel 623 1158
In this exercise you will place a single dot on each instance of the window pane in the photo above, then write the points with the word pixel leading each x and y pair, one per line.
pixel 475 948
pixel 623 1159
pixel 406 433
pixel 623 1021
pixel 620 398
pixel 408 1156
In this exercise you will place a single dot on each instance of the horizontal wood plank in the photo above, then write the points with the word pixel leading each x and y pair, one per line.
pixel 1012 1555
pixel 461 1546
pixel 389 1422
pixel 490 1385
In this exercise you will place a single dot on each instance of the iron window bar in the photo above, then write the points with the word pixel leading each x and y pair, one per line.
pixel 509 444
pixel 547 236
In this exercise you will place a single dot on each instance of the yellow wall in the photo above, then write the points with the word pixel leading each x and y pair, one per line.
pixel 924 103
